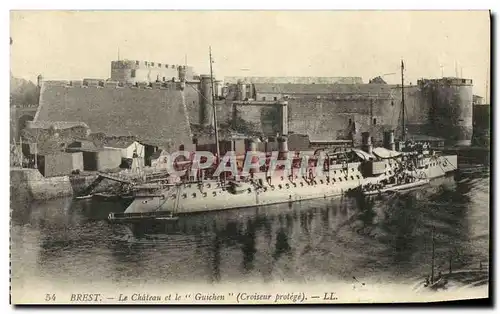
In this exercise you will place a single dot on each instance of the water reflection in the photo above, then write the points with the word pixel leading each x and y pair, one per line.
pixel 387 237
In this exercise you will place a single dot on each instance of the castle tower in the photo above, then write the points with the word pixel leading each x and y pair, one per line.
pixel 242 90
pixel 450 112
pixel 39 80
pixel 182 73
pixel 206 100
pixel 137 71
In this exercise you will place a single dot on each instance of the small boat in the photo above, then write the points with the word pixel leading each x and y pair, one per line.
pixel 84 197
pixel 396 187
pixel 112 197
pixel 161 216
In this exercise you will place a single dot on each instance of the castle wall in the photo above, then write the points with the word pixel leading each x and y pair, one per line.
pixel 156 116
pixel 293 79
pixel 330 111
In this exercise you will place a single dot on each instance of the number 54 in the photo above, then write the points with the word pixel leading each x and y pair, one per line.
pixel 50 297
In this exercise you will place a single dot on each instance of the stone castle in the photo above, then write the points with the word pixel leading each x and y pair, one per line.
pixel 161 104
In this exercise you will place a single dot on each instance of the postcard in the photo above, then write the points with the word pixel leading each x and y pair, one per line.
pixel 249 157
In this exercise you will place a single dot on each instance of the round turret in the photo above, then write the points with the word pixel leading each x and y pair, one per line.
pixel 450 102
pixel 206 100
pixel 39 80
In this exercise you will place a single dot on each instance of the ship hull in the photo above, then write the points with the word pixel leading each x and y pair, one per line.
pixel 211 196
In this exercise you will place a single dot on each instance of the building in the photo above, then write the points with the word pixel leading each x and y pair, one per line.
pixel 60 164
pixel 128 148
pixel 135 71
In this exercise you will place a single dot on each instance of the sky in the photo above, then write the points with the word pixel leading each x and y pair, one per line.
pixel 82 44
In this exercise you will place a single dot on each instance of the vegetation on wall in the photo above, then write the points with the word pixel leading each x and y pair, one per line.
pixel 23 92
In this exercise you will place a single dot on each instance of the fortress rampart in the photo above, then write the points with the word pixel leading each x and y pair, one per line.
pixel 163 111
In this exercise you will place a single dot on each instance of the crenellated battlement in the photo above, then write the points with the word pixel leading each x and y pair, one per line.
pixel 139 64
pixel 132 71
pixel 445 81
pixel 104 84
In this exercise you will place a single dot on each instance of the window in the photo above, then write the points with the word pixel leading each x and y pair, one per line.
pixel 173 66
pixel 152 64
pixel 264 98
pixel 275 98
pixel 340 179
pixel 194 194
pixel 163 79
pixel 137 63
pixel 352 178
pixel 392 103
pixel 159 65
pixel 350 121
pixel 374 121
pixel 145 63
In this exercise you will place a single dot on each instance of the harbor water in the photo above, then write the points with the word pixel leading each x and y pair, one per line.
pixel 384 239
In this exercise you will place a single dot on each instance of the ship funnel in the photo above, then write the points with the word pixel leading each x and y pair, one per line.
pixel 283 144
pixel 242 91
pixel 252 145
pixel 389 140
pixel 282 147
pixel 366 142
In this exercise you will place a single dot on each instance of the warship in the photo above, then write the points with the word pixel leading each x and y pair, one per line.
pixel 340 173
pixel 323 175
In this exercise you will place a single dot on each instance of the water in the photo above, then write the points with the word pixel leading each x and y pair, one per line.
pixel 383 240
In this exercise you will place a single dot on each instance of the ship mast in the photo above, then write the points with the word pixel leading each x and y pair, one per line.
pixel 213 105
pixel 432 262
pixel 403 100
